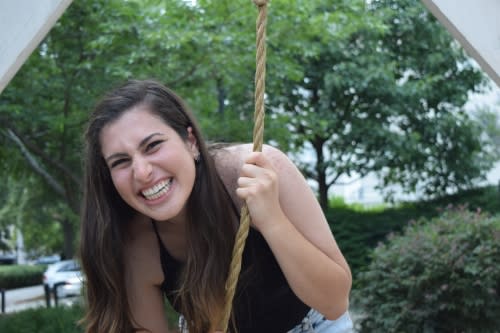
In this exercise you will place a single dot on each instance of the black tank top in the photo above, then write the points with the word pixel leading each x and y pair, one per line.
pixel 263 302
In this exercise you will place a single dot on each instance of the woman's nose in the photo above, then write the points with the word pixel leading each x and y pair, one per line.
pixel 142 169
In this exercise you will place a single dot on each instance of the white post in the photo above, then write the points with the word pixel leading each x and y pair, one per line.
pixel 23 25
pixel 476 25
pixel 21 254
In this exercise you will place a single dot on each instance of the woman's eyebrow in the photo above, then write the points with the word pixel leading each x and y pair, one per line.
pixel 146 139
pixel 139 146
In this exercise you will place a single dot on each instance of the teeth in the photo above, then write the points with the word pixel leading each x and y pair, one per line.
pixel 157 190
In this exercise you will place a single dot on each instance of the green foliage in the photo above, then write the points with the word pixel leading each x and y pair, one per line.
pixel 24 206
pixel 42 112
pixel 358 231
pixel 19 276
pixel 62 319
pixel 478 199
pixel 382 91
pixel 368 86
pixel 339 202
pixel 42 320
pixel 95 45
pixel 489 120
pixel 440 275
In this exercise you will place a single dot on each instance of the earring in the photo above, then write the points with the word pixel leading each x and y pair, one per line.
pixel 197 158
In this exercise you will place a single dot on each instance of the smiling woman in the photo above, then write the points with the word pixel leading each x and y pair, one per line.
pixel 149 161
pixel 160 214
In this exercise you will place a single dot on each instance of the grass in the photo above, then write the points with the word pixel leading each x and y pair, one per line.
pixel 62 319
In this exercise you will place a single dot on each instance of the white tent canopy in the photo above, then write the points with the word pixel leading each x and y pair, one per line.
pixel 24 23
pixel 476 25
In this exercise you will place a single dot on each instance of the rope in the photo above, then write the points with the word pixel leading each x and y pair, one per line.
pixel 258 135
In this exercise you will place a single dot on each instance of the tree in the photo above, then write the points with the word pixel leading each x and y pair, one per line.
pixel 489 120
pixel 45 106
pixel 345 79
pixel 26 207
pixel 385 94
pixel 41 112
pixel 95 45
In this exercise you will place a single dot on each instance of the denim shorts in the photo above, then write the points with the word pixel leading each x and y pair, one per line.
pixel 315 322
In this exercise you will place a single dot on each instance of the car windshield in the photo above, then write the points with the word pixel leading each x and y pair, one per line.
pixel 69 267
pixel 64 266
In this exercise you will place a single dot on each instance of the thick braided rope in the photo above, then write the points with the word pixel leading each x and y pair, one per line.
pixel 258 138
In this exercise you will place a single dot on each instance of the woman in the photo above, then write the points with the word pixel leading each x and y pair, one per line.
pixel 159 219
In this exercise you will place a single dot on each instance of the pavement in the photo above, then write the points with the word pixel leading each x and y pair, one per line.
pixel 34 297
pixel 30 297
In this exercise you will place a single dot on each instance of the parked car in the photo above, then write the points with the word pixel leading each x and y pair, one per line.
pixel 47 260
pixel 8 259
pixel 66 275
pixel 71 287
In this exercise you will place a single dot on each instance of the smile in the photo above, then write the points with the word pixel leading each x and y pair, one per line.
pixel 157 190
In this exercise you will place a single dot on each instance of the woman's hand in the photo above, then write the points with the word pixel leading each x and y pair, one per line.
pixel 258 186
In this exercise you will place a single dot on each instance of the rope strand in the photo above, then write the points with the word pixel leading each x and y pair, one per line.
pixel 258 138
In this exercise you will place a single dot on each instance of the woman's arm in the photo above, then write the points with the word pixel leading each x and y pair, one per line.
pixel 143 278
pixel 284 209
pixel 147 307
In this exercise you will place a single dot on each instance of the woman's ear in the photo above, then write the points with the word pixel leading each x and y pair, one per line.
pixel 192 142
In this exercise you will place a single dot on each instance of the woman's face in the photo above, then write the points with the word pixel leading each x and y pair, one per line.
pixel 152 168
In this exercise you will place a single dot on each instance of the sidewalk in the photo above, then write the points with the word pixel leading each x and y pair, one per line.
pixel 30 297
pixel 24 298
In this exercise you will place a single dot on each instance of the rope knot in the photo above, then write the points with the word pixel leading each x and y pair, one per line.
pixel 260 3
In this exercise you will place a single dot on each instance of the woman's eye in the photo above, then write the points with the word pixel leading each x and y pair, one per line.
pixel 116 163
pixel 153 144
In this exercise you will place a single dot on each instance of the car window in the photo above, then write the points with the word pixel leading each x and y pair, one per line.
pixel 69 267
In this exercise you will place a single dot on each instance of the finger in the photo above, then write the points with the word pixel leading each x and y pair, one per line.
pixel 245 181
pixel 259 159
pixel 250 170
pixel 243 192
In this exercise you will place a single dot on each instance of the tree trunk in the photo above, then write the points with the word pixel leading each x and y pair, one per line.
pixel 221 95
pixel 69 239
pixel 317 144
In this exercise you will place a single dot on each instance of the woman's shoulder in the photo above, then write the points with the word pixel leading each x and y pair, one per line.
pixel 228 161
pixel 231 156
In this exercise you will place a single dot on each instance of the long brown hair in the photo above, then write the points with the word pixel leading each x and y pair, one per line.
pixel 210 228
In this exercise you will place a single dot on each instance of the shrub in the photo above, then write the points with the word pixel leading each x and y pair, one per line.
pixel 42 320
pixel 441 275
pixel 62 319
pixel 19 276
pixel 358 230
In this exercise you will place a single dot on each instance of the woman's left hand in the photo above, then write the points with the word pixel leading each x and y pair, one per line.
pixel 258 186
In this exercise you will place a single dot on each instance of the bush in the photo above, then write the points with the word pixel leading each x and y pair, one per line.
pixel 62 319
pixel 42 320
pixel 359 229
pixel 441 275
pixel 19 276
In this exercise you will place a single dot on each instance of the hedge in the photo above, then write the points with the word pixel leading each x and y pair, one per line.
pixel 19 276
pixel 43 320
pixel 62 319
pixel 358 231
